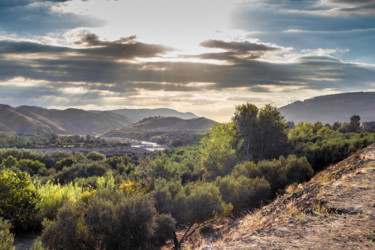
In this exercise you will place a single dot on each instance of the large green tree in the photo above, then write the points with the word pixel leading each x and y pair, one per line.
pixel 246 119
pixel 262 133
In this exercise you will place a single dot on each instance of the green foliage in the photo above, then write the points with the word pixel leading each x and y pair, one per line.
pixel 327 145
pixel 95 156
pixel 9 162
pixel 80 170
pixel 68 231
pixel 108 221
pixel 18 199
pixel 54 196
pixel 166 225
pixel 218 151
pixel 32 167
pixel 246 168
pixel 282 172
pixel 106 182
pixel 262 133
pixel 243 192
pixel 6 238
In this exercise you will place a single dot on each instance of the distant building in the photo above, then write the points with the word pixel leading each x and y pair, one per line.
pixel 368 125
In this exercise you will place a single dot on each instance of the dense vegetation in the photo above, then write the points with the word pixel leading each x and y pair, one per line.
pixel 96 202
pixel 10 140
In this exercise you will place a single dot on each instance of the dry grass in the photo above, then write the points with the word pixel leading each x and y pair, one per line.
pixel 335 210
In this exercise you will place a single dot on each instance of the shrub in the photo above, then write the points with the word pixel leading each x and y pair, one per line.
pixel 6 238
pixel 32 167
pixel 18 199
pixel 107 220
pixel 95 156
pixel 68 231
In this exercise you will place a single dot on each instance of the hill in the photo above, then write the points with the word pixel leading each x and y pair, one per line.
pixel 334 210
pixel 31 120
pixel 331 108
pixel 138 114
pixel 163 130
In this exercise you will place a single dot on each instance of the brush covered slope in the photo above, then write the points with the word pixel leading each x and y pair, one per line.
pixel 332 108
pixel 37 120
pixel 163 130
pixel 334 210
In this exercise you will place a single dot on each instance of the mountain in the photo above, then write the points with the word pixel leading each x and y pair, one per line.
pixel 331 108
pixel 334 210
pixel 138 114
pixel 26 119
pixel 164 130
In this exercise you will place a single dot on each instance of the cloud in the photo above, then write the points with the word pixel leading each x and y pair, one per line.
pixel 351 7
pixel 59 64
pixel 93 48
pixel 311 24
pixel 32 17
pixel 236 51
pixel 97 72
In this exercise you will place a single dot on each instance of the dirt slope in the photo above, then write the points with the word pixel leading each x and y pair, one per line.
pixel 335 210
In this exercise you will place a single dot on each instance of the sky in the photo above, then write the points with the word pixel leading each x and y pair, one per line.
pixel 200 56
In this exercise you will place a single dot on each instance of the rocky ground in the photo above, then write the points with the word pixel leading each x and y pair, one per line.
pixel 335 210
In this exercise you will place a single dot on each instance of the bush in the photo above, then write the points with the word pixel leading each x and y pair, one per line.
pixel 107 220
pixel 242 192
pixel 18 199
pixel 6 238
pixel 95 156
pixel 32 167
pixel 68 231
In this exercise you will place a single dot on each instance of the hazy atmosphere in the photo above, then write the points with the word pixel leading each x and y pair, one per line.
pixel 203 57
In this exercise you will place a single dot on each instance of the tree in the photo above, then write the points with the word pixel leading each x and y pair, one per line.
pixel 219 151
pixel 262 133
pixel 355 122
pixel 245 118
pixel 272 140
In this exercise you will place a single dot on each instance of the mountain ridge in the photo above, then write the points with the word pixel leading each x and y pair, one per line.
pixel 331 108
pixel 38 120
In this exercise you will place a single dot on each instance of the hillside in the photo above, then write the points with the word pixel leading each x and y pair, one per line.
pixel 26 119
pixel 163 129
pixel 331 108
pixel 138 114
pixel 335 210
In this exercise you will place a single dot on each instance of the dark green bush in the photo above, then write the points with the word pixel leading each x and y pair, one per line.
pixel 95 156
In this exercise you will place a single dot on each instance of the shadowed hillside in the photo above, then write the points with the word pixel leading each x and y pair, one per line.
pixel 30 120
pixel 331 108
pixel 335 210
pixel 163 129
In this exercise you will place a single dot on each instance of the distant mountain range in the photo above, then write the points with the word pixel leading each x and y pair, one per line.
pixel 37 120
pixel 331 108
pixel 138 114
pixel 163 130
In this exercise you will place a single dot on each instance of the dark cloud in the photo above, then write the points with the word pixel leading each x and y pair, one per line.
pixel 124 48
pixel 239 47
pixel 236 51
pixel 27 18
